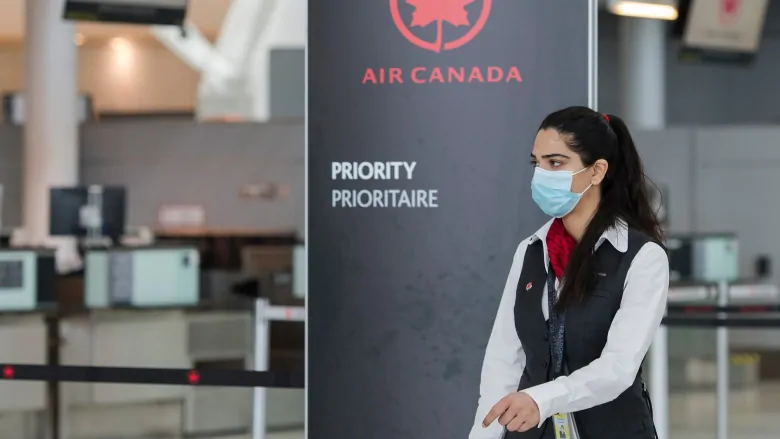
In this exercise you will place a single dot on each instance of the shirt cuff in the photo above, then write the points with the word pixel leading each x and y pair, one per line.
pixel 543 400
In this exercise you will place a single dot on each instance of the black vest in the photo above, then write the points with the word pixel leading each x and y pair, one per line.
pixel 587 324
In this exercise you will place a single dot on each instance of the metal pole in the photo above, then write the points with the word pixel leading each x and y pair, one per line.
pixel 722 366
pixel 593 54
pixel 261 364
pixel 659 381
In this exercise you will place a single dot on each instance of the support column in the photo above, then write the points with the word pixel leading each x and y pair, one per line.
pixel 643 61
pixel 51 154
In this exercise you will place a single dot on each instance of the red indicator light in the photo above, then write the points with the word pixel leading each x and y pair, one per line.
pixel 8 372
pixel 193 377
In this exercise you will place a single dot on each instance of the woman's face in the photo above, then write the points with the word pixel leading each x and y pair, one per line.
pixel 551 153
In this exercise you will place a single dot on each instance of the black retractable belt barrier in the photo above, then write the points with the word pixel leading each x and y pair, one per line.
pixel 713 321
pixel 755 315
pixel 138 375
pixel 735 309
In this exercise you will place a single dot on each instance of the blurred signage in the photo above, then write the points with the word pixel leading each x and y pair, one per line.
pixel 178 216
pixel 725 25
pixel 163 12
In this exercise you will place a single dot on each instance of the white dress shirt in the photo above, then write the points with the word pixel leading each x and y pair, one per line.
pixel 630 335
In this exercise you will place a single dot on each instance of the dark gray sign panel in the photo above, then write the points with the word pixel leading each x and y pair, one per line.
pixel 421 119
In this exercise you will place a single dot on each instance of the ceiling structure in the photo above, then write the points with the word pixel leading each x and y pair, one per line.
pixel 207 15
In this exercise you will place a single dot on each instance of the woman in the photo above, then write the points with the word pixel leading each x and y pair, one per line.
pixel 571 366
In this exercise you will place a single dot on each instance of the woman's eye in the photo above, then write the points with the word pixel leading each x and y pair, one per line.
pixel 533 163
pixel 555 164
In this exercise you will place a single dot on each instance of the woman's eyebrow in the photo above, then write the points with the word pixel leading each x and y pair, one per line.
pixel 549 156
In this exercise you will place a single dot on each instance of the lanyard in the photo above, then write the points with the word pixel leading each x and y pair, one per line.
pixel 555 325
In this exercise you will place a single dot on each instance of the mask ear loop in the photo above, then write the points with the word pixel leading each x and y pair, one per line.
pixel 589 186
pixel 586 190
pixel 581 170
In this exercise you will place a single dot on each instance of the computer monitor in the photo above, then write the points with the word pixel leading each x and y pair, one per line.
pixel 142 277
pixel 74 210
pixel 26 279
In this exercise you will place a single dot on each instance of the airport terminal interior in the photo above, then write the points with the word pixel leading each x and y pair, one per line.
pixel 152 207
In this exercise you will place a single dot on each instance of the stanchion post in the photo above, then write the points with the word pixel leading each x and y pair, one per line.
pixel 722 365
pixel 659 381
pixel 261 364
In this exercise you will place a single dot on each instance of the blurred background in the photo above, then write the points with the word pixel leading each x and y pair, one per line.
pixel 158 147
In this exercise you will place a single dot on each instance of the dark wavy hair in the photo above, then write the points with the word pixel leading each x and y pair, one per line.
pixel 624 191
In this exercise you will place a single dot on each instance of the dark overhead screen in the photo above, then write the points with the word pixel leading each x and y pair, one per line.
pixel 162 12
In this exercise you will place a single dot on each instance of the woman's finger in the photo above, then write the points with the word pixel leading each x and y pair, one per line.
pixel 496 411
pixel 508 416
pixel 517 424
pixel 526 426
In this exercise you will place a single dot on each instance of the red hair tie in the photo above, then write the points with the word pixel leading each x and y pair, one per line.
pixel 606 117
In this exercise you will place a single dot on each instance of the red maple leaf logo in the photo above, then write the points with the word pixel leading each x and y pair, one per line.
pixel 429 11
pixel 729 11
pixel 451 11
pixel 730 6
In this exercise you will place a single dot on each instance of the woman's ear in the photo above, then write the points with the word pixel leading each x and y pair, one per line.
pixel 600 167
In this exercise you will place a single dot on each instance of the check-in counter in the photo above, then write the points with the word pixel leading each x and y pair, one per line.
pixel 22 340
pixel 117 338
pixel 123 338
pixel 23 403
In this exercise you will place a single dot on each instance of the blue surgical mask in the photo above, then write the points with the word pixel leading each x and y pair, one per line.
pixel 551 190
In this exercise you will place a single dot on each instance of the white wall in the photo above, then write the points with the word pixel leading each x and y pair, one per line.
pixel 121 76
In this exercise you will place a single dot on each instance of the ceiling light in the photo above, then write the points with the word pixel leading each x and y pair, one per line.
pixel 120 44
pixel 653 9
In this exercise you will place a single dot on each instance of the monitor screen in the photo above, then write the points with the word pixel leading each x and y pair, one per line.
pixel 64 211
pixel 11 274
pixel 67 204
pixel 724 25
pixel 162 12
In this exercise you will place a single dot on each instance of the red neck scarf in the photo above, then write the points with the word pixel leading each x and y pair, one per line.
pixel 559 247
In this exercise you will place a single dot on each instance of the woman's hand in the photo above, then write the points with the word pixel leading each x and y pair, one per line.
pixel 516 411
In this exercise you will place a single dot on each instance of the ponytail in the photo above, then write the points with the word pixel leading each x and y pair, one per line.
pixel 629 175
pixel 624 196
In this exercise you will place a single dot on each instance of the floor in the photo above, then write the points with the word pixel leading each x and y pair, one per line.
pixel 754 413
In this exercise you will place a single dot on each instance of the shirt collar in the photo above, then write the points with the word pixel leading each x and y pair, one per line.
pixel 617 235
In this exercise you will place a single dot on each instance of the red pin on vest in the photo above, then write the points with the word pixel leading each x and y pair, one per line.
pixel 528 286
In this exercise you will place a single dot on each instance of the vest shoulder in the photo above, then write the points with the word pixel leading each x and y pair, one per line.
pixel 638 236
pixel 525 245
pixel 638 239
